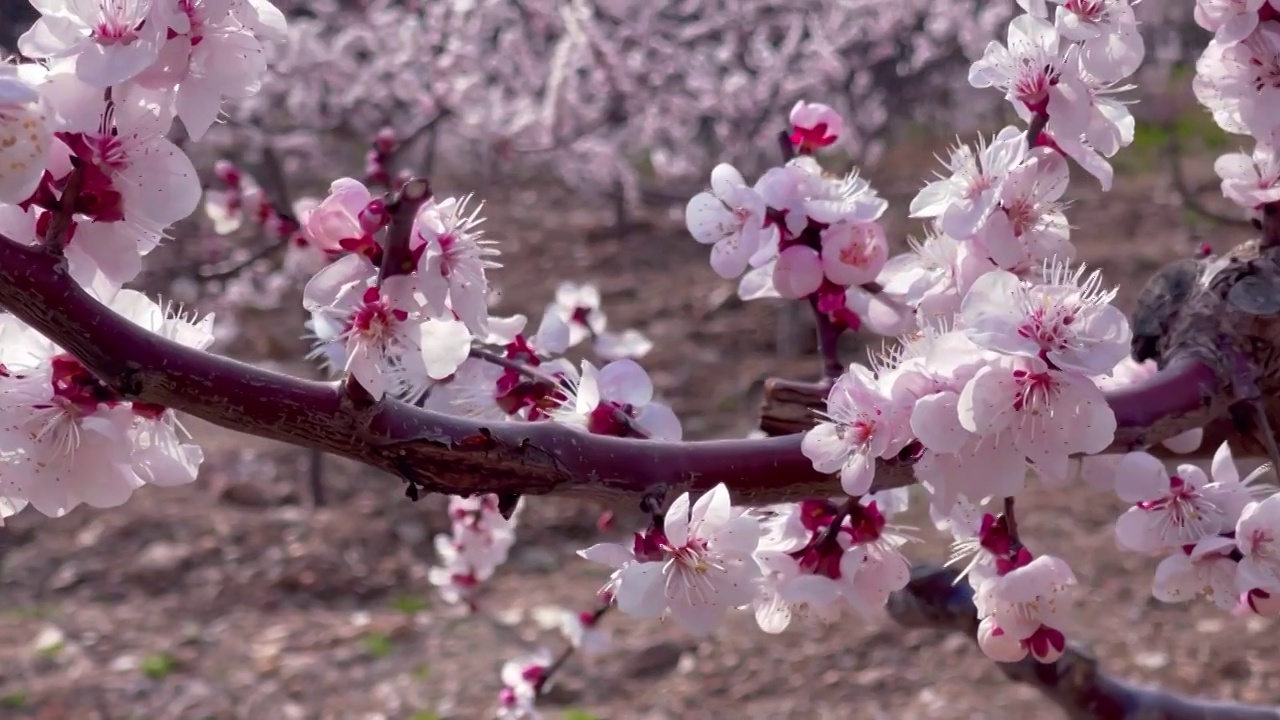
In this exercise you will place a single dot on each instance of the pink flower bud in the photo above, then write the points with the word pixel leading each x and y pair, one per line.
pixel 854 254
pixel 374 216
pixel 385 142
pixel 798 272
pixel 227 173
pixel 814 125
pixel 337 217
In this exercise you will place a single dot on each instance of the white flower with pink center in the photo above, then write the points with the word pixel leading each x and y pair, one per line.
pixel 1026 68
pixel 453 260
pixel 730 218
pixel 1240 82
pixel 1231 20
pixel 390 345
pixel 1251 180
pixel 1202 569
pixel 697 567
pixel 1047 415
pixel 862 423
pixel 1021 611
pixel 1173 511
pixel 111 40
pixel 962 200
pixel 853 253
pixel 25 136
pixel 1256 535
pixel 1068 321
pixel 610 400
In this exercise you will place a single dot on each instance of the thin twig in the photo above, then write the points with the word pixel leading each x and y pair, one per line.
pixel 1011 521
pixel 403 207
pixel 261 253
pixel 559 662
pixel 532 373
pixel 55 237
pixel 828 342
pixel 1186 194
pixel 1036 127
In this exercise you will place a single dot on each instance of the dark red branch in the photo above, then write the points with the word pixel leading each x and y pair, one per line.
pixel 441 453
pixel 229 272
pixel 403 207
pixel 1075 683
pixel 828 342
pixel 1271 225
pixel 1035 127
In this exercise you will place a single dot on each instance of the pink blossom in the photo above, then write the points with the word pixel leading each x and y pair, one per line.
pixel 22 161
pixel 814 125
pixel 1032 228
pixel 696 567
pixel 1171 511
pixel 1024 605
pixel 1236 82
pixel 1256 533
pixel 862 424
pixel 1047 415
pixel 1204 568
pixel 1230 20
pixel 963 200
pixel 1111 47
pixel 334 224
pixel 798 272
pixel 1026 67
pixel 608 400
pixel 853 254
pixel 453 258
pixel 111 40
pixel 730 218
pixel 1251 180
pixel 1069 321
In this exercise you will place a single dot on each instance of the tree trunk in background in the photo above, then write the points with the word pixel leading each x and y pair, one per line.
pixel 15 17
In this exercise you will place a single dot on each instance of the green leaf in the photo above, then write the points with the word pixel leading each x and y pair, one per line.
pixel 409 604
pixel 377 645
pixel 158 665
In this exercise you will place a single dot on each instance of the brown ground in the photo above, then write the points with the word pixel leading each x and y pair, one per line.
pixel 234 598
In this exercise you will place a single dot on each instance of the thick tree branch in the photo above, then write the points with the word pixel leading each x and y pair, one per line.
pixel 1074 683
pixel 792 406
pixel 441 453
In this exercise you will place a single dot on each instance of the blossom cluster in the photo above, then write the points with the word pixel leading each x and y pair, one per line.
pixel 479 540
pixel 1006 347
pixel 86 170
pixel 1236 81
pixel 1214 535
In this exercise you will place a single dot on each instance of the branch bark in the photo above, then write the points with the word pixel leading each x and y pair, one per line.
pixel 791 406
pixel 1075 682
pixel 434 452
